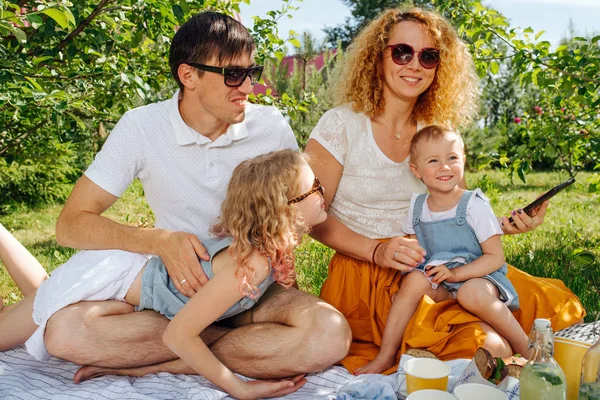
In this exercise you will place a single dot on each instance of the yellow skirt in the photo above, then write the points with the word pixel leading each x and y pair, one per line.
pixel 362 292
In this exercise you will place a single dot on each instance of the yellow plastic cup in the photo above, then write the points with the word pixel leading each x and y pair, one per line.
pixel 569 354
pixel 429 394
pixel 471 391
pixel 426 373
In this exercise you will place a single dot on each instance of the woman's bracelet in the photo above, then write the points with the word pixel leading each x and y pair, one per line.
pixel 375 251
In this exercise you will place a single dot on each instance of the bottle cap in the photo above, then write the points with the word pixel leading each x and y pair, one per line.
pixel 541 323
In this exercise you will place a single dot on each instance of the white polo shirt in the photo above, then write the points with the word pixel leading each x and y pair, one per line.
pixel 184 174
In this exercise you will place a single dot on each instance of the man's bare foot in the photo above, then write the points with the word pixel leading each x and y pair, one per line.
pixel 377 366
pixel 88 372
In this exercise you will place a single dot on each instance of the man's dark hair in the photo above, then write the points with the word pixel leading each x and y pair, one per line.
pixel 207 35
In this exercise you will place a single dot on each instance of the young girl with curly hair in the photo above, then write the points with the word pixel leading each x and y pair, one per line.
pixel 405 70
pixel 272 200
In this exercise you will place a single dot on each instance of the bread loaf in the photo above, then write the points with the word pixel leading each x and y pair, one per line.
pixel 486 364
pixel 420 353
pixel 496 369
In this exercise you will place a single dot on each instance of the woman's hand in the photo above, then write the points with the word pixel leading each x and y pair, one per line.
pixel 523 222
pixel 400 253
pixel 260 389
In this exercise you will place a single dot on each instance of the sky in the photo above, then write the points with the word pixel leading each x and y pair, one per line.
pixel 552 16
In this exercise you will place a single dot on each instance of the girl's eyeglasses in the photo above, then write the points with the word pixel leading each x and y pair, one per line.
pixel 403 53
pixel 316 187
pixel 233 77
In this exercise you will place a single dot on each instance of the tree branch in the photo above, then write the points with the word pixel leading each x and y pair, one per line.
pixel 60 77
pixel 83 24
pixel 527 53
pixel 21 136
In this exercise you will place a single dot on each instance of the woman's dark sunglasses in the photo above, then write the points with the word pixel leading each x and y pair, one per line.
pixel 316 187
pixel 233 77
pixel 403 53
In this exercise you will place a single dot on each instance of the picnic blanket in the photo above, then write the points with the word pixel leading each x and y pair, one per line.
pixel 23 377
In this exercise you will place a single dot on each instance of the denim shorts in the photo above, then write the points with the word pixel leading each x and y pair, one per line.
pixel 159 293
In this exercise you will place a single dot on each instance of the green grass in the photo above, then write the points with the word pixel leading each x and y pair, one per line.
pixel 553 250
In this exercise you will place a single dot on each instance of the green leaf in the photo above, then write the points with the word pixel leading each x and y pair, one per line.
pixel 141 93
pixel 295 42
pixel 78 120
pixel 279 55
pixel 38 60
pixel 540 33
pixel 139 81
pixel 15 7
pixel 178 12
pixel 35 20
pixel 69 15
pixel 521 173
pixel 550 151
pixel 19 34
pixel 58 16
pixel 562 48
pixel 497 373
pixel 595 39
pixel 557 101
pixel 494 67
pixel 34 83
pixel 553 379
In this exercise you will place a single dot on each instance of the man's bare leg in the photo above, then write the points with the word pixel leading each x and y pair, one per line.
pixel 107 334
pixel 177 366
pixel 21 265
pixel 293 333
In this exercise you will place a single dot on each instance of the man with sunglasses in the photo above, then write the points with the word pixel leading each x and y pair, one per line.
pixel 183 151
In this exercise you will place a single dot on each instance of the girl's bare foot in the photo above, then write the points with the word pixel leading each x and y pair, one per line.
pixel 378 365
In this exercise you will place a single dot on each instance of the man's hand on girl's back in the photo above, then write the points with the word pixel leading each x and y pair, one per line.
pixel 180 251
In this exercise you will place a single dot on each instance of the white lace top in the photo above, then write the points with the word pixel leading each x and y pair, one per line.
pixel 374 192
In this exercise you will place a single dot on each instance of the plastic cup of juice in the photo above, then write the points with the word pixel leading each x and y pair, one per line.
pixel 426 373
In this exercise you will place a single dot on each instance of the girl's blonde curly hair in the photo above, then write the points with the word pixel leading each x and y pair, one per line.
pixel 256 215
pixel 452 98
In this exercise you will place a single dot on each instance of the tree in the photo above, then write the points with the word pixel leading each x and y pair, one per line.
pixel 300 90
pixel 566 78
pixel 66 67
pixel 363 11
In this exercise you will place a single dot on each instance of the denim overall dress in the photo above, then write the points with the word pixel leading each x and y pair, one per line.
pixel 159 293
pixel 454 241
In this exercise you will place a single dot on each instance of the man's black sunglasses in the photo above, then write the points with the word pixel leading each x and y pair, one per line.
pixel 233 77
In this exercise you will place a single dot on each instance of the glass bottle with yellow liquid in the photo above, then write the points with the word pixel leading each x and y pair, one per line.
pixel 590 374
pixel 542 377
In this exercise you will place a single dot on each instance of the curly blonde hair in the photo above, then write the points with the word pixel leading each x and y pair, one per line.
pixel 256 215
pixel 452 98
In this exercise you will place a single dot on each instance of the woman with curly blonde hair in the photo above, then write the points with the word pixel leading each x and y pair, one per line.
pixel 272 200
pixel 406 70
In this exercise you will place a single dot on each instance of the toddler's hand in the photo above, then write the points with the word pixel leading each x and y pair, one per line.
pixel 440 273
